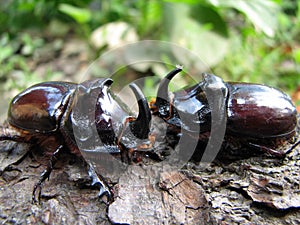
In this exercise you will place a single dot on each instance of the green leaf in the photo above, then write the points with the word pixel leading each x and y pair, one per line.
pixel 151 13
pixel 6 52
pixel 184 1
pixel 262 13
pixel 79 14
pixel 199 29
pixel 296 54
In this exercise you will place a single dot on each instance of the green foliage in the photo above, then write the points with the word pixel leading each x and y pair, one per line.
pixel 256 41
pixel 260 13
pixel 14 64
pixel 80 15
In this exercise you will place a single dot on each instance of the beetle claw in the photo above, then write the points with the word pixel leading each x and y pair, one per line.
pixel 45 175
pixel 34 199
pixel 104 191
pixel 96 180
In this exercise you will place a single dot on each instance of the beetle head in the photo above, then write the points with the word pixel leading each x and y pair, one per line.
pixel 96 103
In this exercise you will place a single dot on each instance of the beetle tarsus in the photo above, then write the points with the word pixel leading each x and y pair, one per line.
pixel 104 189
pixel 45 175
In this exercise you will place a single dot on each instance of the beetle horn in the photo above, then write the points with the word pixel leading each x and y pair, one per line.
pixel 162 99
pixel 141 126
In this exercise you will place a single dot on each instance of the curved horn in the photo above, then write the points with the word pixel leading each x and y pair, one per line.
pixel 162 98
pixel 141 126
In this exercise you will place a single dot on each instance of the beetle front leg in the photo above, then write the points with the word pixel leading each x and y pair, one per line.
pixel 45 174
pixel 98 180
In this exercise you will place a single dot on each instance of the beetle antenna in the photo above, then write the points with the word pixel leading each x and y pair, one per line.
pixel 141 126
pixel 162 99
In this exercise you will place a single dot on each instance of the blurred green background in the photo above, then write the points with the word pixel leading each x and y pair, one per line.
pixel 240 40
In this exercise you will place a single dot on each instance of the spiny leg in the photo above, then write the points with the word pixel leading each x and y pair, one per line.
pixel 98 180
pixel 46 174
pixel 276 153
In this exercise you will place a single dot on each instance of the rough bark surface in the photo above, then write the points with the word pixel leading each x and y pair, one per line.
pixel 257 190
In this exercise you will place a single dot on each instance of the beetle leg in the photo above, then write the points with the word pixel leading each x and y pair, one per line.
pixel 45 174
pixel 98 180
pixel 276 153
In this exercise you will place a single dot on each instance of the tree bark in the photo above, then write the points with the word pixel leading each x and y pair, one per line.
pixel 257 190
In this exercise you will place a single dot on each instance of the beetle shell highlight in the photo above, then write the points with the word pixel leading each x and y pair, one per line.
pixel 259 111
pixel 40 107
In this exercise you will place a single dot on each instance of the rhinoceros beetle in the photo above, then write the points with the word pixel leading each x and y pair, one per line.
pixel 44 114
pixel 259 115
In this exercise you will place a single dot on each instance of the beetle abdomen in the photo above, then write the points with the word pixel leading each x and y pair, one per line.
pixel 40 107
pixel 259 111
